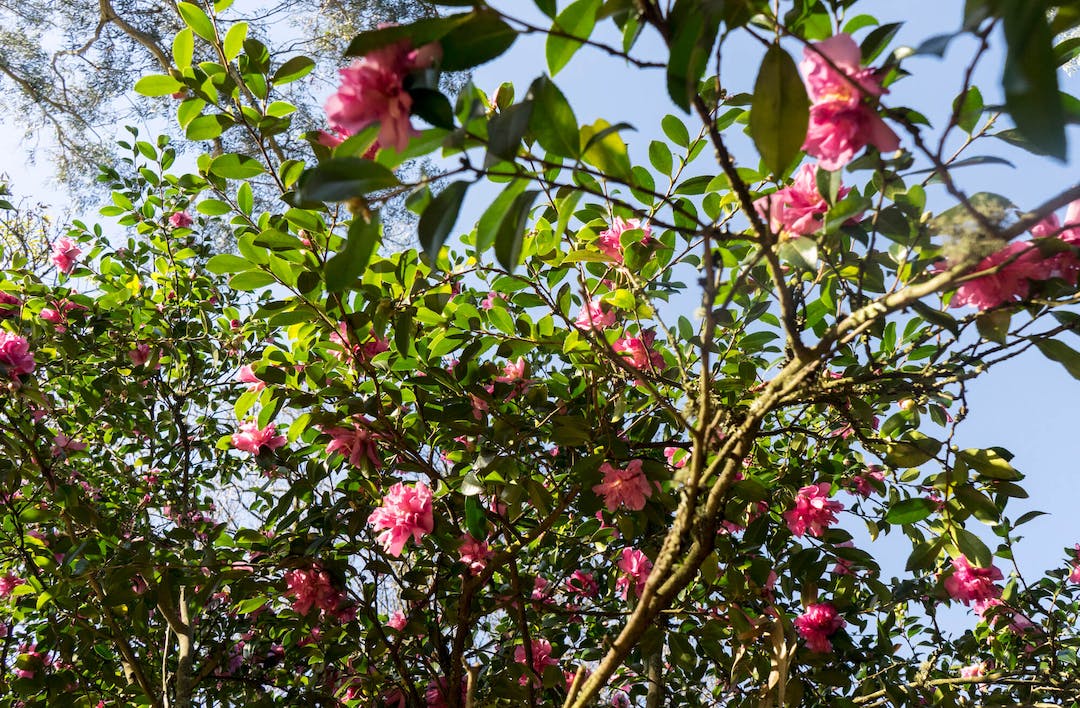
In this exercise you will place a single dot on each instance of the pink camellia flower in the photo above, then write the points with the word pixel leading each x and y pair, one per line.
pixel 8 583
pixel 676 456
pixel 540 591
pixel 638 351
pixel 405 512
pixel 180 220
pixel 15 356
pixel 372 90
pixel 819 622
pixel 843 119
pixel 513 372
pixel 311 588
pixel 437 693
pixel 52 315
pixel 1074 576
pixel 583 584
pixel 624 487
pixel 1017 622
pixel 9 305
pixel 397 621
pixel 247 375
pixel 973 671
pixel 374 345
pixel 1019 262
pixel 541 658
pixel 356 444
pixel 141 354
pixel 864 482
pixel 798 209
pixel 609 240
pixel 636 567
pixel 64 254
pixel 474 554
pixel 968 583
pixel 250 439
pixel 594 316
pixel 62 444
pixel 813 511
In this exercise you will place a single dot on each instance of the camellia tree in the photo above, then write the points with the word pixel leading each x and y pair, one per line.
pixel 629 439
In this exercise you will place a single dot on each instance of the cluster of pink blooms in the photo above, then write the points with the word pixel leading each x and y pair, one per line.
pixel 474 554
pixel 609 241
pixel 57 315
pixel 638 351
pixel 819 622
pixel 9 305
pixel 312 588
pixel 356 444
pixel 627 487
pixel 843 118
pixel 489 302
pixel 65 254
pixel 8 583
pixel 374 345
pixel 864 483
pixel 636 567
pixel 813 512
pixel 594 316
pixel 405 511
pixel 372 90
pixel 970 584
pixel 797 209
pixel 1019 264
pixel 251 439
pixel 180 220
pixel 141 354
pixel 15 356
pixel 541 659
pixel 397 621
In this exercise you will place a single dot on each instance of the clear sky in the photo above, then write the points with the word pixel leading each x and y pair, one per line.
pixel 1027 405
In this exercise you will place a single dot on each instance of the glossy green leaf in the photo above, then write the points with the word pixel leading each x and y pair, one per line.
pixel 694 33
pixel 419 33
pixel 475 518
pixel 183 48
pixel 511 233
pixel 341 178
pixel 909 511
pixel 347 265
pixel 973 548
pixel 605 150
pixel 552 120
pixel 505 131
pixel 208 127
pixel 292 70
pixel 1030 76
pixel 157 85
pixel 914 451
pixel 432 106
pixel 197 20
pixel 572 25
pixel 439 218
pixel 233 166
pixel 234 40
pixel 780 111
pixel 228 263
pixel 480 39
pixel 1062 353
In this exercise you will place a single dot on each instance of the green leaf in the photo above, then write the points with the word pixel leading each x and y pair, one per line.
pixel 552 120
pixel 491 220
pixel 970 110
pixel 157 85
pixel 989 463
pixel 877 40
pixel 432 106
pixel 208 127
pixel 1030 76
pixel 419 33
pixel 914 451
pixel 1061 353
pixel 973 548
pixel 780 110
pixel 475 518
pixel 993 325
pixel 924 555
pixel 224 263
pixel 605 150
pixel 511 231
pixel 183 48
pixel 197 20
pixel 908 511
pixel 245 199
pixel 505 131
pixel 341 178
pixel 577 20
pixel 292 70
pixel 478 40
pixel 234 40
pixel 675 130
pixel 348 264
pixel 439 218
pixel 233 166
pixel 692 42
pixel 801 252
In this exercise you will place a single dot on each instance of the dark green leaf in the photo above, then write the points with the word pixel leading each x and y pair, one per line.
pixel 342 178
pixel 418 33
pixel 552 120
pixel 439 218
pixel 1062 353
pixel 233 166
pixel 511 231
pixel 292 70
pixel 973 548
pixel 491 220
pixel 694 33
pixel 994 325
pixel 505 131
pixel 480 39
pixel 1030 77
pixel 936 45
pixel 912 452
pixel 475 519
pixel 924 555
pixel 779 113
pixel 348 264
pixel 576 21
pixel 877 40
pixel 967 117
